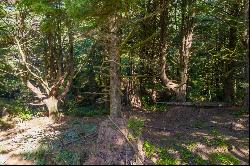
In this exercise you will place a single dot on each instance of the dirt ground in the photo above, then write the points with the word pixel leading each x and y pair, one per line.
pixel 76 135
pixel 197 132
pixel 183 130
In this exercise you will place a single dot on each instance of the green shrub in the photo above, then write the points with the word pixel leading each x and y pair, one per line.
pixel 222 158
pixel 22 111
pixel 17 108
pixel 135 125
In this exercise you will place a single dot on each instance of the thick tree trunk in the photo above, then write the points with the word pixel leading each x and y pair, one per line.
pixel 187 38
pixel 52 105
pixel 163 49
pixel 114 57
pixel 186 33
pixel 228 89
pixel 181 94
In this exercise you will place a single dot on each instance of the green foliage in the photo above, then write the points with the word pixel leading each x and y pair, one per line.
pixel 88 111
pixel 165 158
pixel 22 111
pixel 155 107
pixel 191 145
pixel 149 149
pixel 67 157
pixel 17 108
pixel 217 141
pixel 222 158
pixel 136 125
pixel 189 157
pixel 38 155
pixel 239 113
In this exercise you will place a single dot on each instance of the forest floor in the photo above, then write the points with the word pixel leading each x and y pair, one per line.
pixel 188 135
pixel 178 135
pixel 40 141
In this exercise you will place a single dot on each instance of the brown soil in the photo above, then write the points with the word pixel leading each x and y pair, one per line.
pixel 112 147
pixel 178 127
pixel 175 128
pixel 28 135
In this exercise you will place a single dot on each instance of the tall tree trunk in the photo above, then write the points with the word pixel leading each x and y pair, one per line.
pixel 133 88
pixel 186 33
pixel 114 57
pixel 228 86
pixel 246 35
pixel 52 105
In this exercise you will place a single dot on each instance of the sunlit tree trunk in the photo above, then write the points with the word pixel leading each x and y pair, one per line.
pixel 114 58
pixel 52 105
pixel 186 34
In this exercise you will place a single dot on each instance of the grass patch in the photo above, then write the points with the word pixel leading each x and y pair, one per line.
pixel 149 149
pixel 191 145
pixel 38 155
pixel 223 158
pixel 136 125
pixel 166 158
pixel 87 111
pixel 217 141
pixel 67 157
pixel 188 157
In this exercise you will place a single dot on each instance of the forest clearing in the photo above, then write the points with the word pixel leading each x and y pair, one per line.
pixel 124 82
pixel 206 136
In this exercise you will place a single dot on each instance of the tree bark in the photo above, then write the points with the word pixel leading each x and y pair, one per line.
pixel 114 57
pixel 229 65
pixel 52 105
pixel 246 35
pixel 186 33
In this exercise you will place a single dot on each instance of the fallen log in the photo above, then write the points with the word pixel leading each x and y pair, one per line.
pixel 197 104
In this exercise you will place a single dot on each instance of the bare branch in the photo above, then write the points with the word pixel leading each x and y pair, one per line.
pixel 24 62
pixel 35 90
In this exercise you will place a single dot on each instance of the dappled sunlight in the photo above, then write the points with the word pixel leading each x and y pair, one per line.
pixel 195 141
pixel 28 137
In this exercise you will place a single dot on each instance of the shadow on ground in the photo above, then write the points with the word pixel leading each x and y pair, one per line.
pixel 186 135
pixel 39 141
